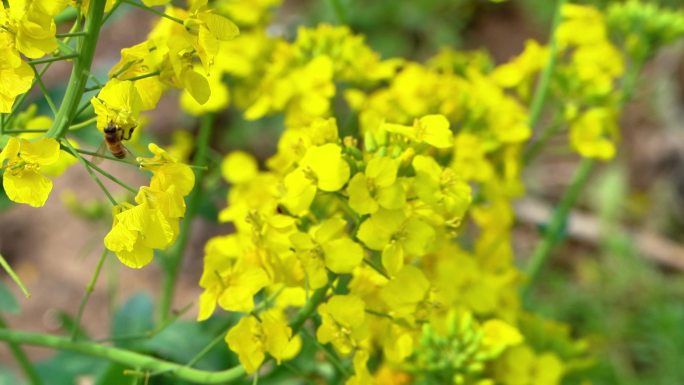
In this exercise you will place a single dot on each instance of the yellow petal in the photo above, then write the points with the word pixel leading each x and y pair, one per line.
pixel 342 255
pixel 27 186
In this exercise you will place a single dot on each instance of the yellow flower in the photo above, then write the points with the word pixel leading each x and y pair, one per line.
pixel 232 285
pixel 520 71
pixel 442 188
pixel 343 322
pixel 327 246
pixel 431 129
pixel 594 132
pixel 251 339
pixel 209 29
pixel 141 59
pixel 16 75
pixel 31 25
pixel 65 159
pixel 499 335
pixel 22 178
pixel 322 167
pixel 219 97
pixel 239 167
pixel 406 294
pixel 521 365
pixel 397 236
pixel 136 231
pixel 361 374
pixel 168 174
pixel 376 187
pixel 118 102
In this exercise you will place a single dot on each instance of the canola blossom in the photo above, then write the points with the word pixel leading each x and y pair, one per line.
pixel 380 229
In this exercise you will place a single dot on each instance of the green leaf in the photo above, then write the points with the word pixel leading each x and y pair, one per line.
pixel 113 374
pixel 181 341
pixel 66 367
pixel 133 320
pixel 7 378
pixel 8 302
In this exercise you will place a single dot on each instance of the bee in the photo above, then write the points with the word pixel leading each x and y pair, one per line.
pixel 113 137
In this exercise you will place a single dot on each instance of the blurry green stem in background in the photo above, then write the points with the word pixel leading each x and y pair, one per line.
pixel 545 78
pixel 339 11
pixel 80 71
pixel 558 220
pixel 22 358
pixel 14 276
pixel 86 296
pixel 554 230
pixel 174 259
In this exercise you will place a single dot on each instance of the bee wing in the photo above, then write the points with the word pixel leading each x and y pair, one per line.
pixel 99 154
pixel 129 158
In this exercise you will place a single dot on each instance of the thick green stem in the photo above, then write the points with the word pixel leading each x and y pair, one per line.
pixel 80 71
pixel 21 358
pixel 174 258
pixel 124 357
pixel 555 228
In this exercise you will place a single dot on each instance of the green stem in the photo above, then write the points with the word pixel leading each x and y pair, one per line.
pixel 80 71
pixel 123 357
pixel 21 358
pixel 14 276
pixel 82 124
pixel 44 90
pixel 310 306
pixel 90 172
pixel 545 78
pixel 556 225
pixel 175 255
pixel 338 9
pixel 82 109
pixel 330 353
pixel 27 131
pixel 150 9
pixel 86 296
pixel 134 78
pixel 110 177
pixel 536 147
pixel 69 34
pixel 52 59
pixel 103 156
pixel 143 76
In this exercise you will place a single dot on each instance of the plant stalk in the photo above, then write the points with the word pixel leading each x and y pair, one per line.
pixel 174 259
pixel 80 71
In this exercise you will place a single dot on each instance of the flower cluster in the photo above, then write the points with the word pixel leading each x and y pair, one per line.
pixel 153 222
pixel 166 59
pixel 27 27
pixel 367 227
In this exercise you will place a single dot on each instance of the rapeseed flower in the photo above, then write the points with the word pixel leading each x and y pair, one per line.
pixel 21 162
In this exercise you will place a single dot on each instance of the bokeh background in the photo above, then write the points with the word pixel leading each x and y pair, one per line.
pixel 617 279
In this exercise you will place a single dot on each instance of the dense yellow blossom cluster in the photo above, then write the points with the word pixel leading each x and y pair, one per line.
pixel 386 238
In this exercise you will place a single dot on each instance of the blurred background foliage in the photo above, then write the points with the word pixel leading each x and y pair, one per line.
pixel 631 309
